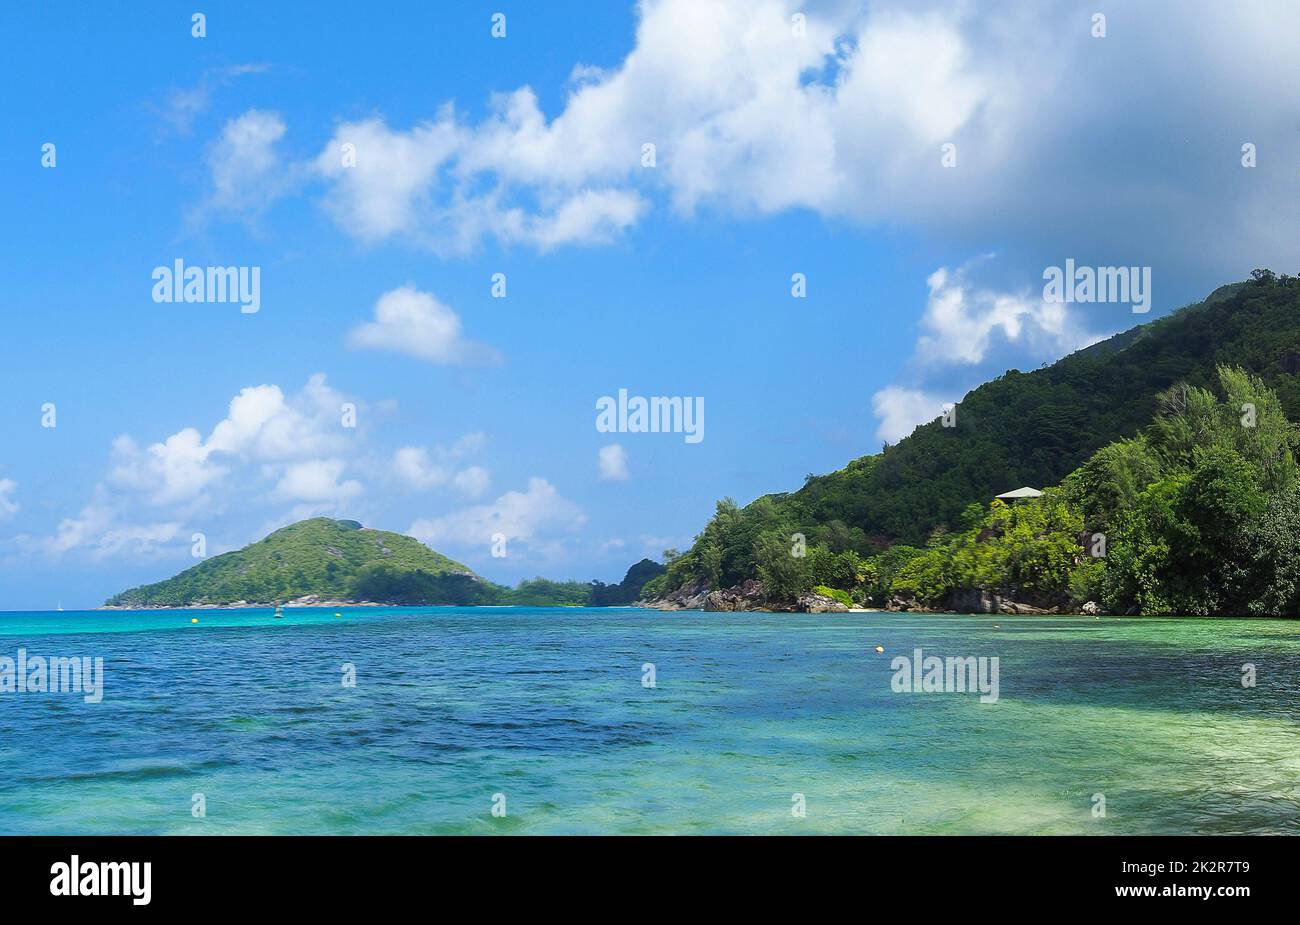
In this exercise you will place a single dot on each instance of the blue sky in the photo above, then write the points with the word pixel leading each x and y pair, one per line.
pixel 781 146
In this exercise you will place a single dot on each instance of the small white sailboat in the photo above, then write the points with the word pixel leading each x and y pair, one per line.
pixel 279 612
pixel 60 608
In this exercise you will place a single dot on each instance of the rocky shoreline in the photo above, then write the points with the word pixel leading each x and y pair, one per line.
pixel 309 600
pixel 980 600
pixel 749 595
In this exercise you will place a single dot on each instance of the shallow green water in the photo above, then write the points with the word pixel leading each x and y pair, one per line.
pixel 548 707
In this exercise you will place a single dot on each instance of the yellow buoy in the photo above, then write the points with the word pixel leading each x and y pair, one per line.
pixel 880 648
pixel 194 619
pixel 338 614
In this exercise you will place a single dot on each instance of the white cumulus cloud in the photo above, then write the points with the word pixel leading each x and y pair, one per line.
pixel 417 324
pixel 518 515
pixel 413 466
pixel 848 118
pixel 472 481
pixel 901 410
pixel 961 325
pixel 248 173
pixel 424 469
pixel 262 426
pixel 289 448
pixel 316 480
pixel 8 507
pixel 742 113
pixel 961 320
pixel 382 189
pixel 612 462
pixel 100 531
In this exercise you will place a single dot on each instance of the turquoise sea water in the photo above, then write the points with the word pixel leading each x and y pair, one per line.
pixel 547 707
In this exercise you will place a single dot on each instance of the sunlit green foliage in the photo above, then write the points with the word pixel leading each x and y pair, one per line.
pixel 1025 550
pixel 542 592
pixel 1173 440
pixel 319 556
pixel 834 594
pixel 1196 515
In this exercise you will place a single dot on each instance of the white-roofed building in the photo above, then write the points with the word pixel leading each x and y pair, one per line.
pixel 1019 493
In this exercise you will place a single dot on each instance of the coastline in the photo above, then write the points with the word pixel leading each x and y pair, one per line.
pixel 638 605
pixel 243 605
pixel 751 595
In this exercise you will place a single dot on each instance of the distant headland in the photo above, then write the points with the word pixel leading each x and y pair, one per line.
pixel 334 563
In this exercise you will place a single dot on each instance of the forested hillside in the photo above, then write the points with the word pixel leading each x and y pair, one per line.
pixel 341 561
pixel 1024 428
pixel 333 559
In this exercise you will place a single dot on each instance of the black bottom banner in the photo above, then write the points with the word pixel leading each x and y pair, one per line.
pixel 215 874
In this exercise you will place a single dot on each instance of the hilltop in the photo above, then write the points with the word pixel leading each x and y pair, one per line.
pixel 321 559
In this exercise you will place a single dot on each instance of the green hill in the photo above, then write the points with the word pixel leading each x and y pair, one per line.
pixel 335 560
pixel 341 561
pixel 1024 428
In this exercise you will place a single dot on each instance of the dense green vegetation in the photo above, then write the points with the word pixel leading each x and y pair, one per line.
pixel 1195 509
pixel 384 584
pixel 1027 550
pixel 319 556
pixel 339 560
pixel 1198 514
pixel 629 589
pixel 390 586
